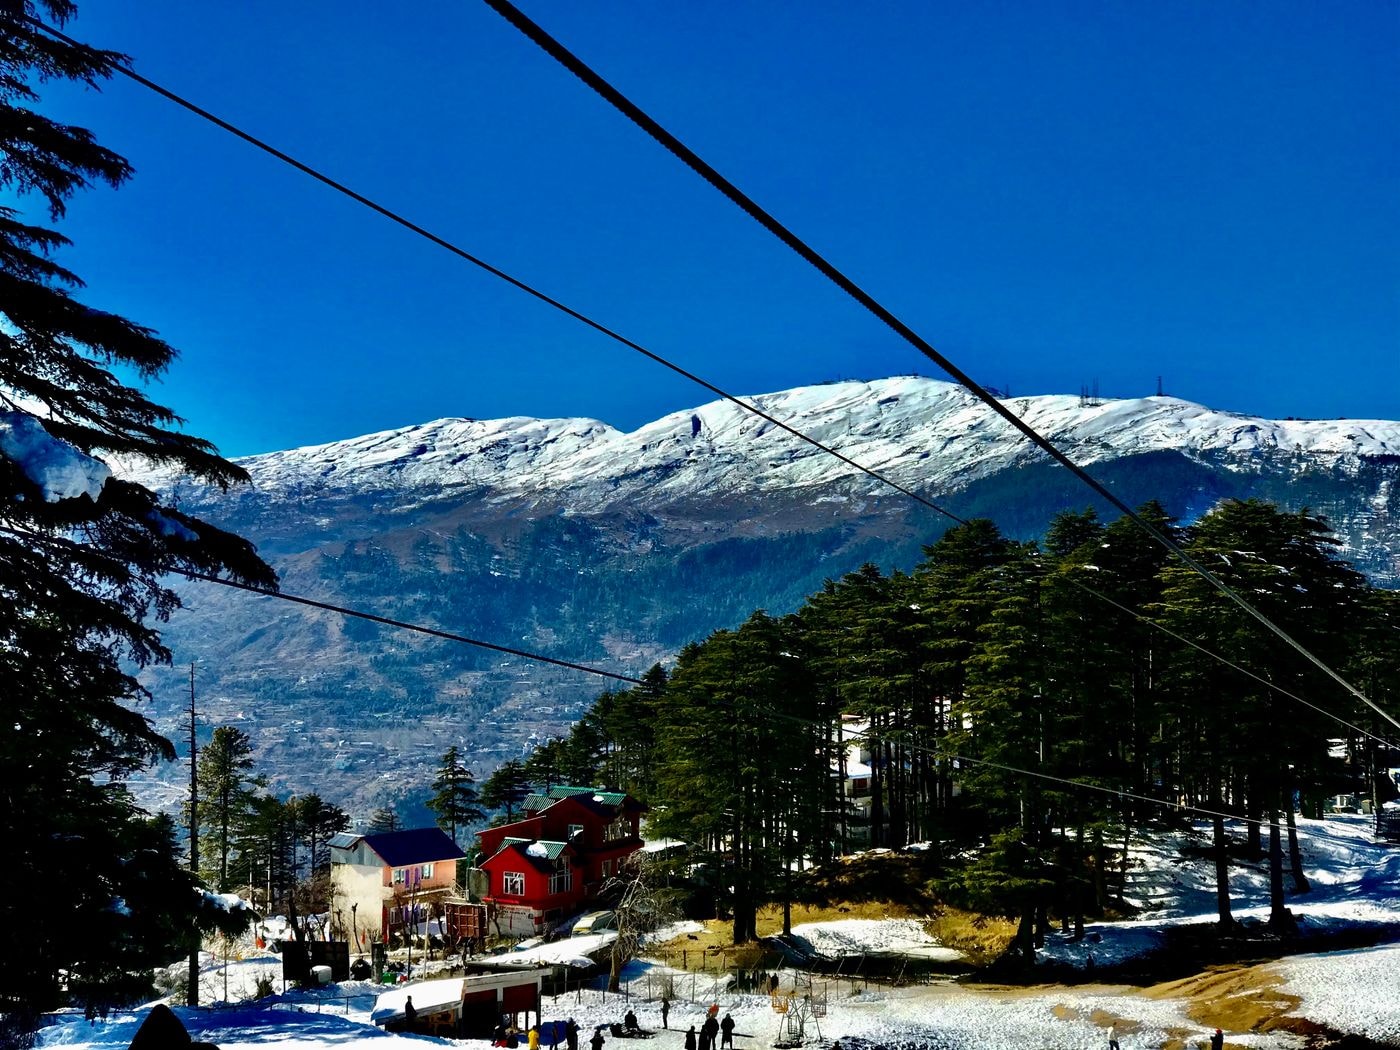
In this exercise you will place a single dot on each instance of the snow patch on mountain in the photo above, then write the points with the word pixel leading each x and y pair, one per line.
pixel 920 432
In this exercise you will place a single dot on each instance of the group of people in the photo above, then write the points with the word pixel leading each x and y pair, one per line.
pixel 714 1034
pixel 709 1030
pixel 507 1035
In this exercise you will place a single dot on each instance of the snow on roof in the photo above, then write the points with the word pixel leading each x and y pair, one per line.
pixel 545 850
pixel 59 469
pixel 427 996
pixel 572 951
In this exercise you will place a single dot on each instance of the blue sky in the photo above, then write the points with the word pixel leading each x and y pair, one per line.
pixel 1051 194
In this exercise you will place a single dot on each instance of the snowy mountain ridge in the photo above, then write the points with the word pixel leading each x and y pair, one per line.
pixel 574 539
pixel 921 432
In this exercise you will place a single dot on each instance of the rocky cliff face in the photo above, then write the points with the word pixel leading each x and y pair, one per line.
pixel 572 538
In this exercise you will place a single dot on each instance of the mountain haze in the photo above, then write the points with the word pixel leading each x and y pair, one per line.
pixel 572 538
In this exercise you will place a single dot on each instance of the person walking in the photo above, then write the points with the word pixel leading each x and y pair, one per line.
pixel 690 1039
pixel 727 1027
pixel 571 1034
pixel 665 1012
pixel 1217 1041
pixel 1113 1036
pixel 597 1041
pixel 532 1037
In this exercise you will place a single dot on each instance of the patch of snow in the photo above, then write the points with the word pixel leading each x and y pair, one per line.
pixel 59 469
pixel 170 528
pixel 537 849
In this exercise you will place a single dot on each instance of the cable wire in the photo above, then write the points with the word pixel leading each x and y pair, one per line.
pixel 629 109
pixel 462 253
pixel 68 546
pixel 597 326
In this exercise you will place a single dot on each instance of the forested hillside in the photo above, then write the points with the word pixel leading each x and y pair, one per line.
pixel 1031 702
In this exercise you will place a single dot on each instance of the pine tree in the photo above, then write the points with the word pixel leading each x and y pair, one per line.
pixel 735 730
pixel 506 788
pixel 1286 564
pixel 455 799
pixel 82 556
pixel 384 819
pixel 226 794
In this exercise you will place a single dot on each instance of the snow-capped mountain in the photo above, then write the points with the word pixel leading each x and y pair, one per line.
pixel 921 432
pixel 569 537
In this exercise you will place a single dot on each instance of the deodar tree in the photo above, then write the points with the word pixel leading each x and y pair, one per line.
pixel 82 557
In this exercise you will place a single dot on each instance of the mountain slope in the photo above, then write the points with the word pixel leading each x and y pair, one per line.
pixel 575 539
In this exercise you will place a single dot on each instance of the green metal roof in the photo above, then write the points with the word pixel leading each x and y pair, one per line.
pixel 535 802
pixel 611 798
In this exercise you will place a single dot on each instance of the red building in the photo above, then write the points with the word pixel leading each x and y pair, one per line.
pixel 546 865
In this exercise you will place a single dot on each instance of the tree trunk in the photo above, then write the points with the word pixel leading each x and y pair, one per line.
pixel 1254 848
pixel 1100 879
pixel 1222 873
pixel 1076 886
pixel 1123 865
pixel 1025 933
pixel 787 899
pixel 1279 918
pixel 1295 856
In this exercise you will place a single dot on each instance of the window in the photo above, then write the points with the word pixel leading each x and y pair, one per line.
pixel 575 829
pixel 398 876
pixel 561 882
pixel 607 868
pixel 427 871
pixel 513 883
pixel 621 828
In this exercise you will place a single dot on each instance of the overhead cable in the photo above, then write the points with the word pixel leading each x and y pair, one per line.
pixel 633 112
pixel 462 253
pixel 597 326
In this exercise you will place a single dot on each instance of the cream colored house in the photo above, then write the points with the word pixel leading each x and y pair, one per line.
pixel 383 884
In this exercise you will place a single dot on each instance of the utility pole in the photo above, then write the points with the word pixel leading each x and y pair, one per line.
pixel 193 993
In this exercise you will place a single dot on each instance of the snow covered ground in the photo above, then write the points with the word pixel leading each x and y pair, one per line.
pixel 1355 881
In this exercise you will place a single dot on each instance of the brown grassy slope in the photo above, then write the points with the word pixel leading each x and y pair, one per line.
pixel 867 886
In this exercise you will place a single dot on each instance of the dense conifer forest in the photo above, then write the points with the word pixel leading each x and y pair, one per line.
pixel 1026 707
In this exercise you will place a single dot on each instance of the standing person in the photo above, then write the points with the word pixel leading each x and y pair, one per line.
pixel 532 1037
pixel 1113 1036
pixel 410 1015
pixel 727 1027
pixel 597 1041
pixel 571 1034
pixel 665 1012
pixel 1217 1041
pixel 690 1039
pixel 708 1031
